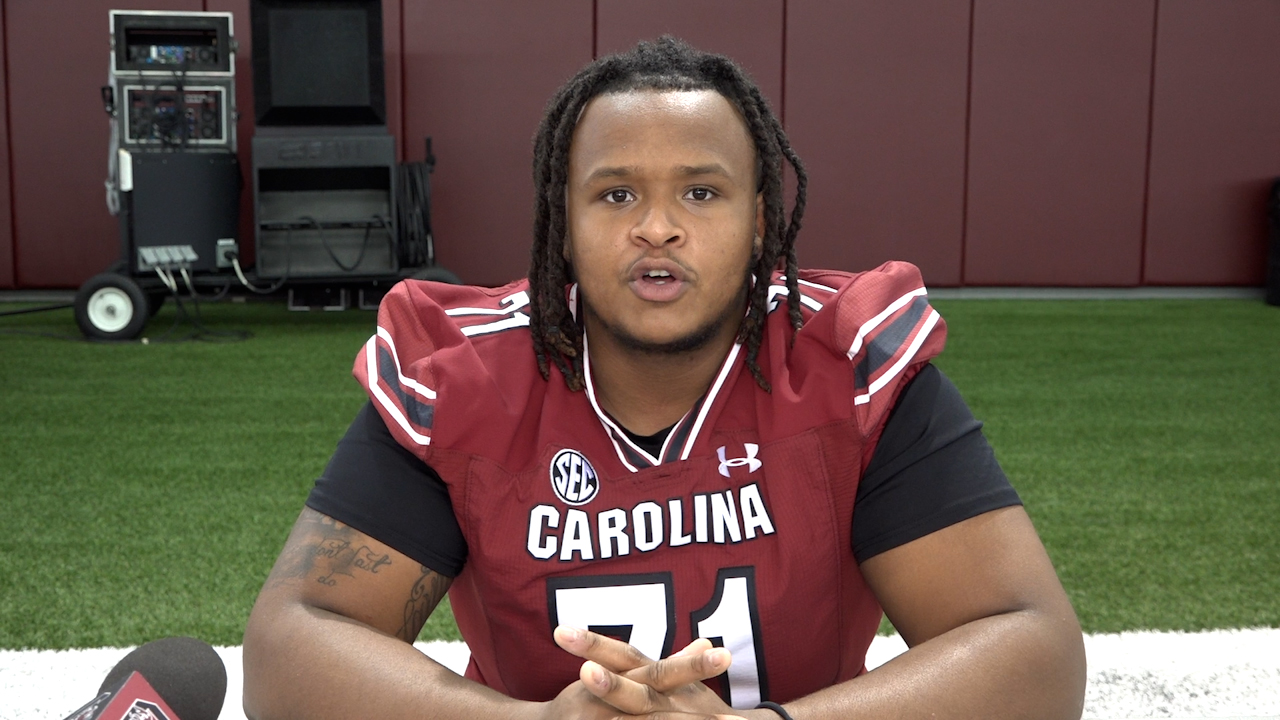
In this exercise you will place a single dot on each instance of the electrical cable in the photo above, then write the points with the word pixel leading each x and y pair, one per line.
pixel 413 211
pixel 167 279
pixel 42 308
pixel 191 288
pixel 364 244
pixel 391 237
pixel 288 266
pixel 235 263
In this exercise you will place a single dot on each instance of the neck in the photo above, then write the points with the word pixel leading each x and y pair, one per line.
pixel 647 392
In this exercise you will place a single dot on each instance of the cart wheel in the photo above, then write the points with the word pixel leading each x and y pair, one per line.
pixel 438 274
pixel 155 301
pixel 111 307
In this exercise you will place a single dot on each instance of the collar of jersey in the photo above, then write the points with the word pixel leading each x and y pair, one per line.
pixel 683 435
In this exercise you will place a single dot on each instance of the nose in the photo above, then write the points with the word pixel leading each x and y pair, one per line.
pixel 658 225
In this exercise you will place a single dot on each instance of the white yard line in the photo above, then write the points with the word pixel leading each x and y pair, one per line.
pixel 1219 674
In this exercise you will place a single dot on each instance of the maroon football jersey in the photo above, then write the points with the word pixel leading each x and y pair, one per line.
pixel 738 531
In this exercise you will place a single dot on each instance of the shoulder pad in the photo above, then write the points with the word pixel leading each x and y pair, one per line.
pixel 884 325
pixel 418 324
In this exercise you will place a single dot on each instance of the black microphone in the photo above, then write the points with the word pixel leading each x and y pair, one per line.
pixel 176 678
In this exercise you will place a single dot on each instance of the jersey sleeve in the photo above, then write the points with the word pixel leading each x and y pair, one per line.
pixel 378 487
pixel 886 328
pixel 931 469
pixel 440 354
pixel 395 364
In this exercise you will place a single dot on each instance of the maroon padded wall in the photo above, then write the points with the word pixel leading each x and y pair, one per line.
pixel 1215 142
pixel 477 76
pixel 992 142
pixel 58 133
pixel 749 31
pixel 876 102
pixel 1058 142
pixel 6 198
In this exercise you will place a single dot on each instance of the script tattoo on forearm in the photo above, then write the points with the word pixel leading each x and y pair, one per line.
pixel 424 597
pixel 326 543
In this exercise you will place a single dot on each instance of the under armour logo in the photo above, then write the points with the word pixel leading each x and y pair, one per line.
pixel 750 460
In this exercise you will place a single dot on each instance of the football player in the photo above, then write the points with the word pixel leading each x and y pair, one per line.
pixel 670 474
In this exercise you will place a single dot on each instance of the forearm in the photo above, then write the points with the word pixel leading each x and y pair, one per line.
pixel 304 662
pixel 1014 665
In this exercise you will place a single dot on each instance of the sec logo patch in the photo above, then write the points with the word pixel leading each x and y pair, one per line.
pixel 573 478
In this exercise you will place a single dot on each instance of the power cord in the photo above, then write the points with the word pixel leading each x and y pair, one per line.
pixel 364 244
pixel 413 211
pixel 288 262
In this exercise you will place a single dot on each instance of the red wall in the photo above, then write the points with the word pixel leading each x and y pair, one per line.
pixel 1058 142
pixel 992 142
pixel 749 31
pixel 1215 141
pixel 6 198
pixel 876 101
pixel 477 75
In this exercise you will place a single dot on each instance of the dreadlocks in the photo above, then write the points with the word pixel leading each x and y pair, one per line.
pixel 665 65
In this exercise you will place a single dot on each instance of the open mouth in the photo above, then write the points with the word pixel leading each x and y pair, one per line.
pixel 657 280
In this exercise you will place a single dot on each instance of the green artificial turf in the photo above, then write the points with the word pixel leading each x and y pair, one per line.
pixel 1144 438
pixel 146 489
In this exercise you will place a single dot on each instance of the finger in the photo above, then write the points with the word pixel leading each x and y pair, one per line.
pixel 696 646
pixel 626 695
pixel 673 715
pixel 612 654
pixel 680 670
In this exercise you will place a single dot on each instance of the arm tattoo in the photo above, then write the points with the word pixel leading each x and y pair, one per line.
pixel 324 544
pixel 424 597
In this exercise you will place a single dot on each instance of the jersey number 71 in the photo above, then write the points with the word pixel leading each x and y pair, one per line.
pixel 640 610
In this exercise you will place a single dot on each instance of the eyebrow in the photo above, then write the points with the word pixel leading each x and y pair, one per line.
pixel 684 170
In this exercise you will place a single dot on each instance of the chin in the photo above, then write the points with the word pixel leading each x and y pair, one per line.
pixel 669 343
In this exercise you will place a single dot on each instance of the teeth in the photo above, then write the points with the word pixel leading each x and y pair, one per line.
pixel 658 273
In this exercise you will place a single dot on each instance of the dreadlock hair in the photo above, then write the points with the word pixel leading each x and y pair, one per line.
pixel 665 65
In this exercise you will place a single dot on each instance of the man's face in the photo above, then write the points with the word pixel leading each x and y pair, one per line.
pixel 663 212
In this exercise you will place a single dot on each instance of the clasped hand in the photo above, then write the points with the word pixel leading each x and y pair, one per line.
pixel 619 681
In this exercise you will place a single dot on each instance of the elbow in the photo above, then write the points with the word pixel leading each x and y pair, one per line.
pixel 1063 670
pixel 266 645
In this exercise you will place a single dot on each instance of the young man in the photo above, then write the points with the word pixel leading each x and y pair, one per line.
pixel 667 457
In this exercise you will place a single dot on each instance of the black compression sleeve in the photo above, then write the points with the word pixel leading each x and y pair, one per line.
pixel 386 492
pixel 932 468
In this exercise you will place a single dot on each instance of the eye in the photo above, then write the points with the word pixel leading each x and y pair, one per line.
pixel 618 196
pixel 700 194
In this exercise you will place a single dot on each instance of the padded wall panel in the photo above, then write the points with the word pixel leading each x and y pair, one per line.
pixel 875 106
pixel 6 209
pixel 477 77
pixel 1215 145
pixel 1058 142
pixel 749 31
pixel 58 58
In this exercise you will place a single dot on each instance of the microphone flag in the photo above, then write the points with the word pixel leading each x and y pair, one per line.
pixel 134 700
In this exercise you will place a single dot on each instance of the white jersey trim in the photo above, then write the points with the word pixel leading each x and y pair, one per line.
pixel 708 402
pixel 874 322
pixel 371 362
pixel 619 435
pixel 903 361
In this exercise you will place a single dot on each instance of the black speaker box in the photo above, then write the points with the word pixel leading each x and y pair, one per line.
pixel 318 63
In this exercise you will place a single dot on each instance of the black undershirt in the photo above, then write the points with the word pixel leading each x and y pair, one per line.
pixel 931 468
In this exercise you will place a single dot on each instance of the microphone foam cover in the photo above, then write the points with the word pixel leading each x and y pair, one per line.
pixel 186 672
